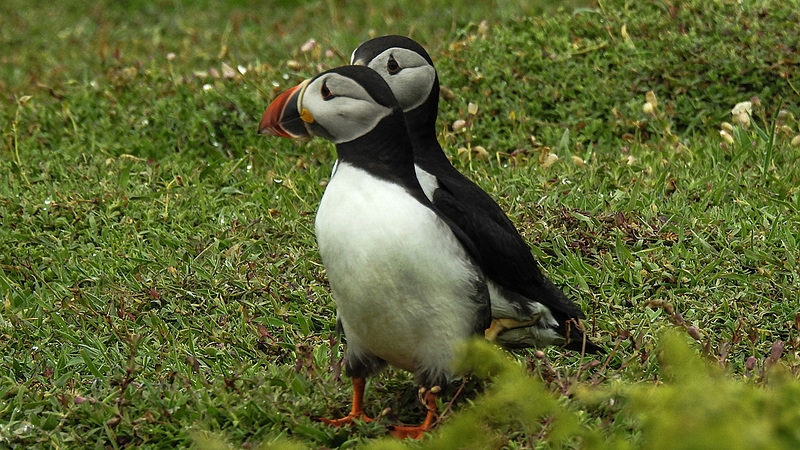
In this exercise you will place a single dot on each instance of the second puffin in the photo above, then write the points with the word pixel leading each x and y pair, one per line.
pixel 528 310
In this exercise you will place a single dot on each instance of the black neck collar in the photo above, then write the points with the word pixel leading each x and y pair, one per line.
pixel 422 130
pixel 385 152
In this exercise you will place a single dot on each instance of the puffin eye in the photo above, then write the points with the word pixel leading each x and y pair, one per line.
pixel 392 66
pixel 326 93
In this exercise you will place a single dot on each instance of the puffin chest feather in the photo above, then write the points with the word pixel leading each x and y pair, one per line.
pixel 402 282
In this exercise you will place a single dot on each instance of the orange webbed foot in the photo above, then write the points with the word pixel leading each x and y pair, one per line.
pixel 416 432
pixel 357 412
pixel 407 432
pixel 346 420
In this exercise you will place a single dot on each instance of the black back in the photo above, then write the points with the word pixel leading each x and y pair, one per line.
pixel 504 256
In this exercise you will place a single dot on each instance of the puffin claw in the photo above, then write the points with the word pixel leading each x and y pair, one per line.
pixel 346 420
pixel 415 432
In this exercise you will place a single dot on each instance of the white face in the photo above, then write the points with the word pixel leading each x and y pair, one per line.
pixel 339 109
pixel 407 73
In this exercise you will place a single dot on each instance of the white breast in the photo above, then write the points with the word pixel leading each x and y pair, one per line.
pixel 402 282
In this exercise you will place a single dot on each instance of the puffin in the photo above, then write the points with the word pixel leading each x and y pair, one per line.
pixel 406 281
pixel 528 309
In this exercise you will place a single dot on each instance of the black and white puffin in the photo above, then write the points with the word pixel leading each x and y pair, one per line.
pixel 405 279
pixel 528 310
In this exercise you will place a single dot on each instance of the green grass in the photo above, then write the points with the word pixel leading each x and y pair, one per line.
pixel 159 277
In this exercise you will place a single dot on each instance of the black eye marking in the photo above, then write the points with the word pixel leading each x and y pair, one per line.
pixel 326 93
pixel 392 66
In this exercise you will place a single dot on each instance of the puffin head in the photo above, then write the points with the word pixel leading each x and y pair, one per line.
pixel 340 105
pixel 405 66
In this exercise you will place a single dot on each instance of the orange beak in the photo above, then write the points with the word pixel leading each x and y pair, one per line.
pixel 282 117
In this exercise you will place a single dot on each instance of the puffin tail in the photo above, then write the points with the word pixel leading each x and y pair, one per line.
pixel 576 338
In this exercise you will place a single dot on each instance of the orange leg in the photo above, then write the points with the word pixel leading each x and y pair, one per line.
pixel 358 406
pixel 415 432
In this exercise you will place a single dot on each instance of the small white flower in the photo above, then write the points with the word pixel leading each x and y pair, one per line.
pixel 480 153
pixel 796 141
pixel 308 46
pixel 483 28
pixel 459 125
pixel 207 87
pixel 726 137
pixel 472 108
pixel 170 56
pixel 549 160
pixel 743 107
pixel 227 71
pixel 650 97
pixel 648 108
pixel 743 119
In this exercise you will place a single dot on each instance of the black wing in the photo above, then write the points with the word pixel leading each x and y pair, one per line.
pixel 504 256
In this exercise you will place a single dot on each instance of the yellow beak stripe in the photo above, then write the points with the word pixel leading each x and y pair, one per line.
pixel 306 116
